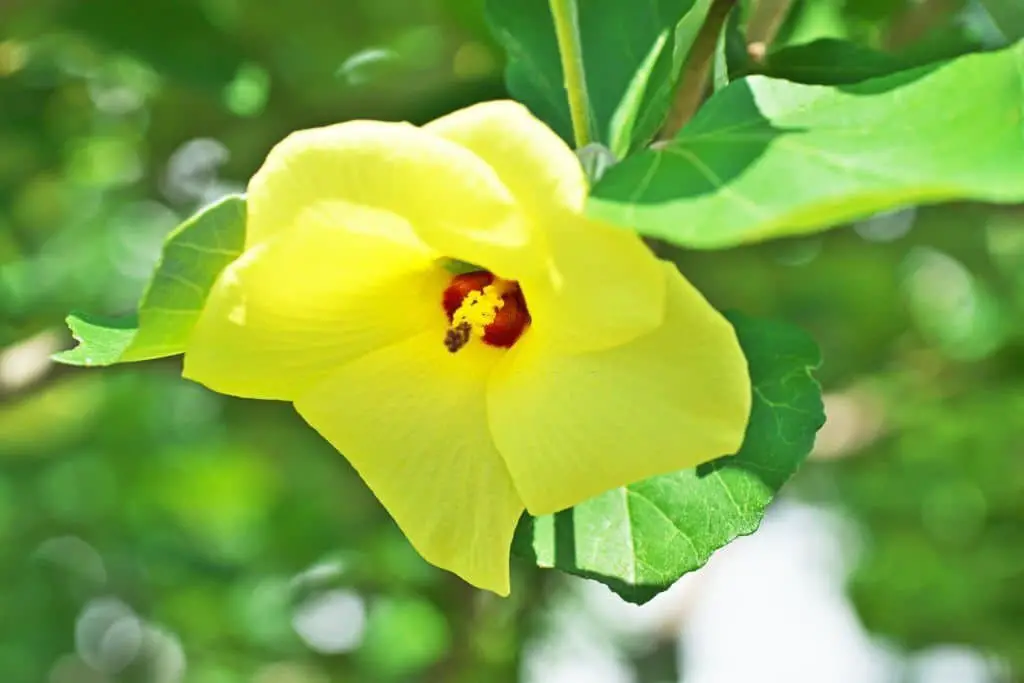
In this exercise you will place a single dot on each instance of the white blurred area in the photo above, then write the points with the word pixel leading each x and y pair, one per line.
pixel 769 608
pixel 192 177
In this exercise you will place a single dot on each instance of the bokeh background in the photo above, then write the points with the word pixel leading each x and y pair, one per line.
pixel 153 532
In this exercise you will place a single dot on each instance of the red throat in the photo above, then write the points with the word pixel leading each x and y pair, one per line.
pixel 510 321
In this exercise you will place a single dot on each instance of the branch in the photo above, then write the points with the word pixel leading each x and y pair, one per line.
pixel 765 21
pixel 693 80
pixel 917 21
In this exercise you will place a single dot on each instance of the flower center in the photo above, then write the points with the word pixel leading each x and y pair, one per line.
pixel 480 305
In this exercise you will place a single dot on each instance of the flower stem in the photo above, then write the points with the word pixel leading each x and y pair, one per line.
pixel 567 31
pixel 693 80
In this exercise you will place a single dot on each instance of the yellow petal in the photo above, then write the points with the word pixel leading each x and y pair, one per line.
pixel 572 426
pixel 601 285
pixel 603 288
pixel 534 163
pixel 411 418
pixel 342 281
pixel 454 201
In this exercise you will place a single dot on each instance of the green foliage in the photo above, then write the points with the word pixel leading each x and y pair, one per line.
pixel 830 61
pixel 731 56
pixel 633 55
pixel 387 646
pixel 193 256
pixel 641 538
pixel 101 341
pixel 209 516
pixel 767 158
pixel 835 61
pixel 1008 16
pixel 943 559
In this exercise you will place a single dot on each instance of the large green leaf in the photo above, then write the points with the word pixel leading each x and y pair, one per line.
pixel 768 158
pixel 641 538
pixel 193 256
pixel 633 53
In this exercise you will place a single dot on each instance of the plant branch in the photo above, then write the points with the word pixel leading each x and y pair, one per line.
pixel 52 375
pixel 694 78
pixel 917 21
pixel 765 21
pixel 567 30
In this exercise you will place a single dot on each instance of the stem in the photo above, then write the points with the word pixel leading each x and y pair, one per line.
pixel 917 21
pixel 567 30
pixel 765 21
pixel 693 80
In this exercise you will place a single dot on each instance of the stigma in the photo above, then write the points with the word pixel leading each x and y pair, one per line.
pixel 482 306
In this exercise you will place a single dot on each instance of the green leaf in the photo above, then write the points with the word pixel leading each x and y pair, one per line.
pixel 767 158
pixel 101 341
pixel 193 256
pixel 632 52
pixel 1008 16
pixel 640 538
pixel 831 61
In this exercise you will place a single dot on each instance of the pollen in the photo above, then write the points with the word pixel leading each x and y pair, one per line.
pixel 479 309
pixel 482 306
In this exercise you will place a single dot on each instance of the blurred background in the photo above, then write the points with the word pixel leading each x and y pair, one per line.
pixel 153 532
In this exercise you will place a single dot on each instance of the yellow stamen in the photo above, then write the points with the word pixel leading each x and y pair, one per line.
pixel 478 310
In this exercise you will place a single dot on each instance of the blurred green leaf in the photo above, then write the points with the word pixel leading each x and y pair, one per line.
pixel 43 422
pixel 939 499
pixel 640 538
pixel 953 310
pixel 403 636
pixel 247 93
pixel 633 54
pixel 1008 16
pixel 174 37
pixel 767 158
pixel 218 494
pixel 263 605
pixel 193 256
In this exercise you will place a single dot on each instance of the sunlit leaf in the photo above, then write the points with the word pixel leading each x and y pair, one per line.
pixel 641 538
pixel 193 256
pixel 768 158
pixel 101 341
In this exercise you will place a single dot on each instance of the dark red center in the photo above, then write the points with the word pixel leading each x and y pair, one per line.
pixel 510 320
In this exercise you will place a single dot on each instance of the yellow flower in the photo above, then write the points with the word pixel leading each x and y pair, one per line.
pixel 573 362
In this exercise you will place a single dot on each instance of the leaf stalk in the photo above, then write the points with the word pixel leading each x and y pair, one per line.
pixel 567 31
